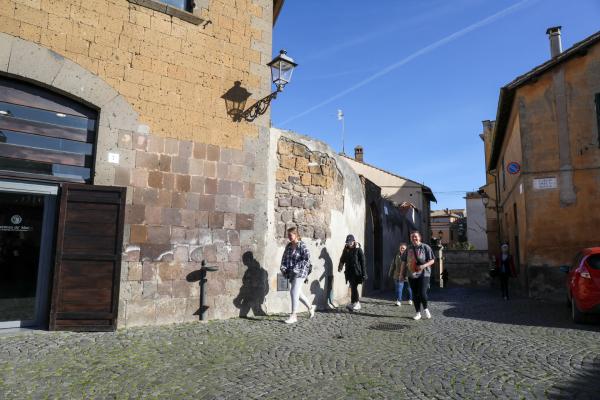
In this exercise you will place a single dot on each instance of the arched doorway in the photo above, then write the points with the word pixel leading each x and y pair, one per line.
pixel 373 249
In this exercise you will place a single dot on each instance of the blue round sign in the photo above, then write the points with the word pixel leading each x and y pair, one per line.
pixel 513 168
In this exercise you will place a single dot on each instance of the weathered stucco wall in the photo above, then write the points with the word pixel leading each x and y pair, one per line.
pixel 341 210
pixel 476 223
pixel 559 133
pixel 195 179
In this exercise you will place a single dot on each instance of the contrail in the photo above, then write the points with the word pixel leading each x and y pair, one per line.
pixel 424 50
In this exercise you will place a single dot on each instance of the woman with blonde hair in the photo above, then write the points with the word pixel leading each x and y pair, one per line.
pixel 295 266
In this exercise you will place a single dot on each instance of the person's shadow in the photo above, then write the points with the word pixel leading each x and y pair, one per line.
pixel 255 286
pixel 327 276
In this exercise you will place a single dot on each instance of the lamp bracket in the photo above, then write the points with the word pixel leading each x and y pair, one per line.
pixel 258 108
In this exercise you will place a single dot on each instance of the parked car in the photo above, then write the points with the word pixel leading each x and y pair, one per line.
pixel 583 284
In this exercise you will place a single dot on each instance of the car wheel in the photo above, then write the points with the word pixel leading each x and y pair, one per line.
pixel 578 316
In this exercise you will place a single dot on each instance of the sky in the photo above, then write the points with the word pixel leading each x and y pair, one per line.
pixel 415 78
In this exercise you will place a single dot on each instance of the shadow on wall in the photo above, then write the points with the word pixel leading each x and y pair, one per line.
pixel 255 286
pixel 327 295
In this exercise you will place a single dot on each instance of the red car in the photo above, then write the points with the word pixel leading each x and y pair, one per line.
pixel 583 284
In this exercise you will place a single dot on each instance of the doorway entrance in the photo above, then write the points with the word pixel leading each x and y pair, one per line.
pixel 27 219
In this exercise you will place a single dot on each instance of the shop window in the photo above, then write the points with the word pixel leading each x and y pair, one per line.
pixel 44 135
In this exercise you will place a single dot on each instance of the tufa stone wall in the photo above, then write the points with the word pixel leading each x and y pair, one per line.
pixel 171 71
pixel 308 186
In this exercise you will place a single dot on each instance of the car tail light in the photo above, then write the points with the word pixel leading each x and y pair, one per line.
pixel 584 273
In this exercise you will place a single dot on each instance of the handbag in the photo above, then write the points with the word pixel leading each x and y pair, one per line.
pixel 493 272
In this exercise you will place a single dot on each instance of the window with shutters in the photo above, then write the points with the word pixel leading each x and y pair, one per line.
pixel 45 135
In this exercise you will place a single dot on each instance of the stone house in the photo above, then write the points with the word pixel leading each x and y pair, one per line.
pixel 544 155
pixel 117 146
pixel 444 225
pixel 397 189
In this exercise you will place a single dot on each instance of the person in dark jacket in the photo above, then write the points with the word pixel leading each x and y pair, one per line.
pixel 505 269
pixel 353 259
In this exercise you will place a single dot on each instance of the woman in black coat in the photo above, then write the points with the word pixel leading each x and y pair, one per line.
pixel 355 270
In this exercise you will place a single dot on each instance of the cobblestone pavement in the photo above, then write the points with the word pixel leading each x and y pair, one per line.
pixel 475 347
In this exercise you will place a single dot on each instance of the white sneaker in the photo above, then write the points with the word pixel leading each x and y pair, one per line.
pixel 356 306
pixel 417 316
pixel 409 302
pixel 311 311
pixel 427 313
pixel 331 306
pixel 291 320
pixel 398 303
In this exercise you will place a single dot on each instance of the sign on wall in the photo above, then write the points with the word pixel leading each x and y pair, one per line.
pixel 513 168
pixel 545 183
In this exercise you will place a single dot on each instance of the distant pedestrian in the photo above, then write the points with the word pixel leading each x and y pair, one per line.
pixel 418 260
pixel 355 271
pixel 400 276
pixel 445 277
pixel 505 269
pixel 295 266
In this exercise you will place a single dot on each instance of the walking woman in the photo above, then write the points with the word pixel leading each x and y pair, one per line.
pixel 295 266
pixel 418 260
pixel 399 275
pixel 355 270
pixel 505 268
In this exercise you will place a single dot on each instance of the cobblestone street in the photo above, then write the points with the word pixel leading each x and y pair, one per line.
pixel 475 347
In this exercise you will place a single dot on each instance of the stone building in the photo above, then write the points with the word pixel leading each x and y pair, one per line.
pixel 397 189
pixel 114 132
pixel 445 224
pixel 544 155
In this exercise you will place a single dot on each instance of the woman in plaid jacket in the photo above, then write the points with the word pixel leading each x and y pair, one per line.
pixel 295 266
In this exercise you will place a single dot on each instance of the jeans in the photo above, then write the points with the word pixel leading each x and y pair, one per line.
pixel 399 289
pixel 419 287
pixel 296 294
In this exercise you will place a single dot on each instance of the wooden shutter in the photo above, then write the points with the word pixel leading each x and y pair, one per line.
pixel 87 272
pixel 598 115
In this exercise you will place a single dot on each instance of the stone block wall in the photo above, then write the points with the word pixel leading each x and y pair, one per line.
pixel 309 184
pixel 195 179
pixel 171 71
pixel 469 268
pixel 191 202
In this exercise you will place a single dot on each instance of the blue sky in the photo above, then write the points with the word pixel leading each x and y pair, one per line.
pixel 415 78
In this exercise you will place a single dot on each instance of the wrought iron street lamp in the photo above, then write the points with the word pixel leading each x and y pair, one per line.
pixel 282 68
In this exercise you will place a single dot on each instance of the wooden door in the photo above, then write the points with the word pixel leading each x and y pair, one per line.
pixel 85 293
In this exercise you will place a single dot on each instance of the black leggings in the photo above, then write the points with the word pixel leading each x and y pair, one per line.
pixel 419 288
pixel 504 284
pixel 354 296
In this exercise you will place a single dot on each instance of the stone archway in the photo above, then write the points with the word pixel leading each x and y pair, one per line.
pixel 34 63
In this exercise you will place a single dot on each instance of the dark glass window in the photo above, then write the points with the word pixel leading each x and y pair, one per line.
pixel 182 4
pixel 43 133
pixel 593 261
